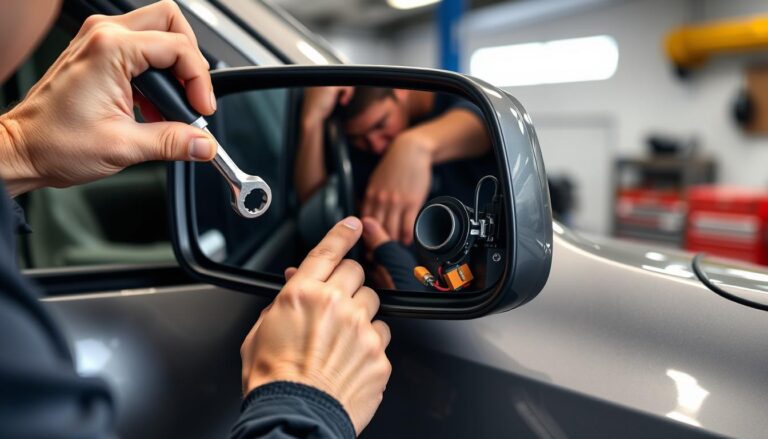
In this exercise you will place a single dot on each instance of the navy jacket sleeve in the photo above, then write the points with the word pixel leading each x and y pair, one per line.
pixel 399 263
pixel 283 409
pixel 41 395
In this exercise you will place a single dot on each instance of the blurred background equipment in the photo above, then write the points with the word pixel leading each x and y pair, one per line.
pixel 750 108
pixel 563 198
pixel 691 46
pixel 730 222
pixel 650 193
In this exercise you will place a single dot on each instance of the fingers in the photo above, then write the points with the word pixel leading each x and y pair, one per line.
pixel 172 50
pixel 168 141
pixel 382 329
pixel 347 277
pixel 289 272
pixel 373 234
pixel 367 300
pixel 163 16
pixel 323 259
pixel 124 38
pixel 394 217
pixel 408 224
pixel 346 94
pixel 366 210
pixel 379 212
pixel 389 219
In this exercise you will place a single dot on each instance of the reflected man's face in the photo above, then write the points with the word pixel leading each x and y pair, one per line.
pixel 376 127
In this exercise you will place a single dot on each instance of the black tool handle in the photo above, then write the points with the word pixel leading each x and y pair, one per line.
pixel 165 92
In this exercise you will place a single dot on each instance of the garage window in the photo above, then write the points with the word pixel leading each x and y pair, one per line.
pixel 571 60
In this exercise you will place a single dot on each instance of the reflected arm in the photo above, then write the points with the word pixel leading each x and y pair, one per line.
pixel 309 171
pixel 456 134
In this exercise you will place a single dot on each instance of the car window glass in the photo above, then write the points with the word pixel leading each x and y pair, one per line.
pixel 252 128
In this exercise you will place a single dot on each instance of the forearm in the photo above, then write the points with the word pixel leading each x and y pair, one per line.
pixel 457 134
pixel 309 171
pixel 16 169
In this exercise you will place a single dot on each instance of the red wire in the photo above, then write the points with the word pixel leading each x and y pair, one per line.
pixel 437 285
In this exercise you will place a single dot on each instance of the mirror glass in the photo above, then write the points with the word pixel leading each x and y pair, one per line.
pixel 418 166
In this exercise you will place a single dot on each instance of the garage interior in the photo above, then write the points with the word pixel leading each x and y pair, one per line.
pixel 654 147
pixel 636 313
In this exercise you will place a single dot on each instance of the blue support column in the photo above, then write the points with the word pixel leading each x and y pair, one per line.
pixel 449 14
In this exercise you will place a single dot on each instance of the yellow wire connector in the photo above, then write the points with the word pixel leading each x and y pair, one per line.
pixel 423 275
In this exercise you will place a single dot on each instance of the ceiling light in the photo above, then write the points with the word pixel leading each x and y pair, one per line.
pixel 572 60
pixel 410 4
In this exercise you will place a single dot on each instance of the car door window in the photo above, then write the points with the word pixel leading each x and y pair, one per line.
pixel 255 129
pixel 84 225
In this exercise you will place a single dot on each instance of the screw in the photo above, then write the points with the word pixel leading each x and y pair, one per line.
pixel 496 257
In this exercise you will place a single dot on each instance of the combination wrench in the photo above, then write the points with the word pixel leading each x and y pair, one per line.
pixel 162 89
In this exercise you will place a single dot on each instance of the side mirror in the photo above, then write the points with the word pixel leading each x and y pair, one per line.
pixel 482 239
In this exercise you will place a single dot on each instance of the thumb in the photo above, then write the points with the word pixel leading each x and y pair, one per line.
pixel 171 141
pixel 374 234
pixel 289 272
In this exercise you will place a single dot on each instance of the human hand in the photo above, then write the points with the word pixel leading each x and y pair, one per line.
pixel 318 330
pixel 319 102
pixel 77 123
pixel 399 186
pixel 375 236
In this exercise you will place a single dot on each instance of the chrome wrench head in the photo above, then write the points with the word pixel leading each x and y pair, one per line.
pixel 251 195
pixel 251 191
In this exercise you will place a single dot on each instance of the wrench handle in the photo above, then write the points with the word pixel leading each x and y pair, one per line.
pixel 227 167
pixel 165 92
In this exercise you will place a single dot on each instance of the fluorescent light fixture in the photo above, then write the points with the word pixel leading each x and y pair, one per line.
pixel 573 60
pixel 410 4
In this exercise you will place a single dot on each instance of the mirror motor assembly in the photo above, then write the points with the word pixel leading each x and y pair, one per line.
pixel 453 233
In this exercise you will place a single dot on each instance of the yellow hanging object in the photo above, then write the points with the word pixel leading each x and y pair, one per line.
pixel 692 46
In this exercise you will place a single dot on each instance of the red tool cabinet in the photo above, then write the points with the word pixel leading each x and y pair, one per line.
pixel 728 221
pixel 650 215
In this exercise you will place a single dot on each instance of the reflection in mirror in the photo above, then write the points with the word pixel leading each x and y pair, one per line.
pixel 417 166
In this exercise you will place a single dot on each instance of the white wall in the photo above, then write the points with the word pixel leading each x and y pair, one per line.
pixel 411 46
pixel 360 47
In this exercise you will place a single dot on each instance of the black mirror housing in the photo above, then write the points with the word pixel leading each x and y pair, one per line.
pixel 522 183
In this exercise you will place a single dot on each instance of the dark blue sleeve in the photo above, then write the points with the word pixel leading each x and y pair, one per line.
pixel 463 104
pixel 445 102
pixel 282 410
pixel 41 395
pixel 399 263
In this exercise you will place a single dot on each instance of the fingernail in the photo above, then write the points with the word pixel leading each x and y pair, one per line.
pixel 213 101
pixel 351 223
pixel 200 148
